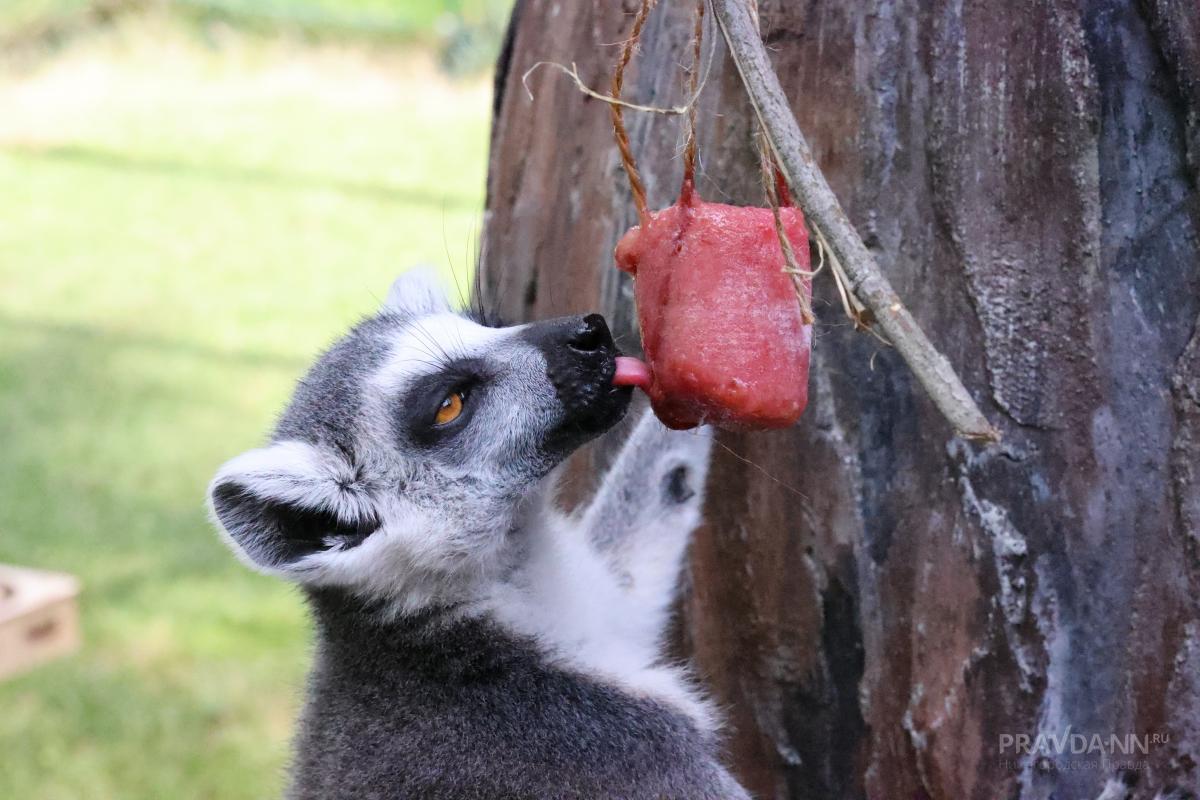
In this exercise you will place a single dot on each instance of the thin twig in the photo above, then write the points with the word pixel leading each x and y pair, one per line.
pixel 825 214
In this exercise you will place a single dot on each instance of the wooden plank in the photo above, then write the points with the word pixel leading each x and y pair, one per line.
pixel 39 618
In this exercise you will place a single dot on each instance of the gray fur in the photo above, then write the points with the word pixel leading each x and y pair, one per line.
pixel 427 708
pixel 473 642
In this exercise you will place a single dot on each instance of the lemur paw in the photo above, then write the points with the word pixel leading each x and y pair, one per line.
pixel 683 467
pixel 673 468
pixel 655 487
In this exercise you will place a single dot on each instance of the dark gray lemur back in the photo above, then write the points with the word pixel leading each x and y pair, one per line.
pixel 424 708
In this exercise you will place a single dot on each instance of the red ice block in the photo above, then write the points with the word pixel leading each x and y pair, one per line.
pixel 721 325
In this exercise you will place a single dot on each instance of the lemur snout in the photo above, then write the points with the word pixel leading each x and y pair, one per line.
pixel 577 349
pixel 580 363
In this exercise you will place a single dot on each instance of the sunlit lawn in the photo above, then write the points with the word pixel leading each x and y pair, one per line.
pixel 182 227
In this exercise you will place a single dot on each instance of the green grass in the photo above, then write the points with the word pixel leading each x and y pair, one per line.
pixel 413 19
pixel 415 16
pixel 181 230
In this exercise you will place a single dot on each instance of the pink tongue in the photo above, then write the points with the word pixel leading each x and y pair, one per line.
pixel 632 372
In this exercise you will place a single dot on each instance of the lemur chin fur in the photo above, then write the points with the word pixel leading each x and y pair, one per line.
pixel 472 640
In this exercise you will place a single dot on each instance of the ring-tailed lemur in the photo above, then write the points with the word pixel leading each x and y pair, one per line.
pixel 473 642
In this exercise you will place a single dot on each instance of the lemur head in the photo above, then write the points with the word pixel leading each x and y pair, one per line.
pixel 402 463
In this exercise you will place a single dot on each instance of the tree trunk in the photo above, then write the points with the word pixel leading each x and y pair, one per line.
pixel 884 610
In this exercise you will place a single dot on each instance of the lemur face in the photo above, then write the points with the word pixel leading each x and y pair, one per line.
pixel 407 450
pixel 501 406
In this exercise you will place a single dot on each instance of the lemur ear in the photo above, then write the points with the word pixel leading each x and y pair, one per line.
pixel 282 503
pixel 418 291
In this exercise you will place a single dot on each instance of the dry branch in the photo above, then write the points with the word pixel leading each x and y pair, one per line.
pixel 830 222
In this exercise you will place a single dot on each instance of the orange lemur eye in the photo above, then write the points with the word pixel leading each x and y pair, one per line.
pixel 450 408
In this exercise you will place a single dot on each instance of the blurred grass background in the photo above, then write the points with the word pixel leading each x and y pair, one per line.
pixel 194 199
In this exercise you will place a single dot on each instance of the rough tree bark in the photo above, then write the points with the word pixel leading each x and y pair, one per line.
pixel 883 617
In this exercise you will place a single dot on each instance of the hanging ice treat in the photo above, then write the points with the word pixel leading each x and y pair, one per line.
pixel 725 327
pixel 724 293
pixel 721 326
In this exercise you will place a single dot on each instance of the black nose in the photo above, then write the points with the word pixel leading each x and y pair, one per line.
pixel 580 361
pixel 573 342
pixel 590 334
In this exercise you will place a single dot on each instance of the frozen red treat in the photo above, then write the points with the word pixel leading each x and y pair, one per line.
pixel 721 325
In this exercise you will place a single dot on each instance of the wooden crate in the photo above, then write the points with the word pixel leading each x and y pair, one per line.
pixel 39 618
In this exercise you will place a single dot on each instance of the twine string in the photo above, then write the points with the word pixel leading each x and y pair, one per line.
pixel 636 185
pixel 775 187
pixel 689 150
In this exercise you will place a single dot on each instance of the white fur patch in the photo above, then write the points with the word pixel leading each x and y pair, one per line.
pixel 566 597
pixel 430 342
